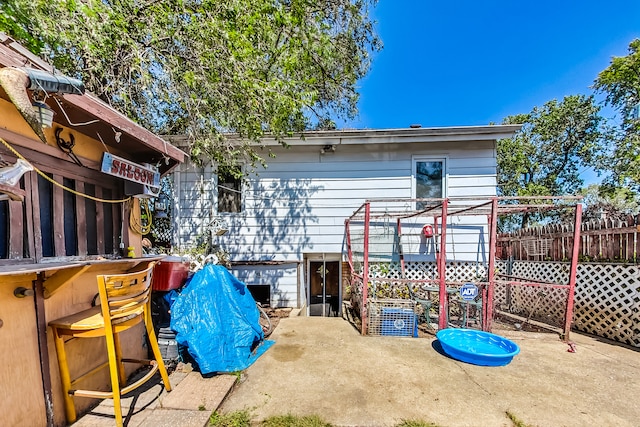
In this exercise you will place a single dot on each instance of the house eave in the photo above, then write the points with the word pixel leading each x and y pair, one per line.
pixel 382 136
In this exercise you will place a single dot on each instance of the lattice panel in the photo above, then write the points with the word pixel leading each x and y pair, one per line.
pixel 541 303
pixel 556 272
pixel 607 296
pixel 459 271
pixel 608 301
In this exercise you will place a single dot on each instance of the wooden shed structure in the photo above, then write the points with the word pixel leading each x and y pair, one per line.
pixel 69 190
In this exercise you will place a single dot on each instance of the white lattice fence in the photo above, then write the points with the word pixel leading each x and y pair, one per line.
pixel 608 301
pixel 458 271
pixel 607 297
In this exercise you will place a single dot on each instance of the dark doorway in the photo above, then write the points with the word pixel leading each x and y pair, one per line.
pixel 324 288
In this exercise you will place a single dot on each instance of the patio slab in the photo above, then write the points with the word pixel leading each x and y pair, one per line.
pixel 324 366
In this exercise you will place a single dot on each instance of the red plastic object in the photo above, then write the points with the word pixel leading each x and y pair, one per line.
pixel 169 274
pixel 427 230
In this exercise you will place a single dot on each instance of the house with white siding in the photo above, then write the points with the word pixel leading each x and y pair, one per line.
pixel 286 221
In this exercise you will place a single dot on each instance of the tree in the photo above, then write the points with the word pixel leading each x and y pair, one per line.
pixel 620 81
pixel 605 202
pixel 205 68
pixel 546 156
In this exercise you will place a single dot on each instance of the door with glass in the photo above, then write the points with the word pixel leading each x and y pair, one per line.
pixel 324 288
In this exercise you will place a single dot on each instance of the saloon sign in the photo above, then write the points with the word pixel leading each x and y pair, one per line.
pixel 123 168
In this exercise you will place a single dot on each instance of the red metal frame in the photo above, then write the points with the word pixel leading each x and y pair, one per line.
pixel 440 219
pixel 443 297
pixel 573 272
pixel 365 268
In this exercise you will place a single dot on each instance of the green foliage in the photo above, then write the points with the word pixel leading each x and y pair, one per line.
pixel 416 423
pixel 233 419
pixel 295 421
pixel 243 419
pixel 204 68
pixel 545 158
pixel 516 421
pixel 603 201
pixel 620 81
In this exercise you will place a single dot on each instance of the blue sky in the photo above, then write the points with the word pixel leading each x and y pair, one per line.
pixel 459 63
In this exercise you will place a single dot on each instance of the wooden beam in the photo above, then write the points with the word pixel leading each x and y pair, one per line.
pixel 13 192
pixel 61 278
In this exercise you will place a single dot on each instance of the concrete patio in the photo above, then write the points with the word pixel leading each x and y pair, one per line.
pixel 324 366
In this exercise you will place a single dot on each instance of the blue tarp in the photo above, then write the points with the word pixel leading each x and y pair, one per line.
pixel 216 318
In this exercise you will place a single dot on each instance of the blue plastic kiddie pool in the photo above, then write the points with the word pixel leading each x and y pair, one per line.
pixel 477 347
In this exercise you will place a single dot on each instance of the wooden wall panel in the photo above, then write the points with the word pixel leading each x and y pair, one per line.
pixel 81 221
pixel 58 220
pixel 19 358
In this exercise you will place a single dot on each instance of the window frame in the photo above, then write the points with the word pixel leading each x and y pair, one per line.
pixel 415 159
pixel 240 192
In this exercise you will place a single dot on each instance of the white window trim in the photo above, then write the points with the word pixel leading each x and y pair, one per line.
pixel 243 193
pixel 445 172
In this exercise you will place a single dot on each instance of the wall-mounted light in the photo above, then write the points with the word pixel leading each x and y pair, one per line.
pixel 328 149
pixel 44 113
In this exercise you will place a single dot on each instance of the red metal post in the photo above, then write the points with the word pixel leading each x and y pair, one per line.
pixel 573 270
pixel 443 307
pixel 365 268
pixel 347 224
pixel 487 300
pixel 401 254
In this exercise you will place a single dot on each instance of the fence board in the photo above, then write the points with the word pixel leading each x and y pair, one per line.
pixel 605 240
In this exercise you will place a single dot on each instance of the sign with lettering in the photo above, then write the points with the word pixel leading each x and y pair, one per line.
pixel 468 291
pixel 123 168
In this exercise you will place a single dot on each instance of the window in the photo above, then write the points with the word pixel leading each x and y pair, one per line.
pixel 429 179
pixel 229 193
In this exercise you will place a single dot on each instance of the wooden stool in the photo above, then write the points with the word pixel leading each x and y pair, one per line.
pixel 124 302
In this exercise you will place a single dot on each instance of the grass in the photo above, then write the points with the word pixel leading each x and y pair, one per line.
pixel 415 423
pixel 295 421
pixel 516 421
pixel 243 419
pixel 233 419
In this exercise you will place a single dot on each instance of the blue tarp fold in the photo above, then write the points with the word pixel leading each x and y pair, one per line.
pixel 216 318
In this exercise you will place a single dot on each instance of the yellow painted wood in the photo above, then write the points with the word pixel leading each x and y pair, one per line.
pixel 61 278
pixel 84 146
pixel 124 303
pixel 21 402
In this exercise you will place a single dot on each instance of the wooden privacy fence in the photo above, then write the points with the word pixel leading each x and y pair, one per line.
pixel 607 240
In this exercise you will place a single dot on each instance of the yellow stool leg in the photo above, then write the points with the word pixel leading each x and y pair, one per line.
pixel 114 372
pixel 121 371
pixel 65 377
pixel 153 341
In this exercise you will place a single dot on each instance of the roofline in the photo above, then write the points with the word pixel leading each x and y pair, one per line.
pixel 383 136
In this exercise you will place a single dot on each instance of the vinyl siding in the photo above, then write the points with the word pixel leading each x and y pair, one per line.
pixel 298 204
